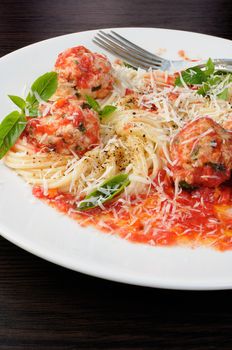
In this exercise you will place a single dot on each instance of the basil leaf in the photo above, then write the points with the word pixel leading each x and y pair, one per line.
pixel 31 111
pixel 43 87
pixel 93 103
pixel 10 129
pixel 107 110
pixel 204 89
pixel 209 67
pixel 191 76
pixel 108 190
pixel 18 101
pixel 128 65
pixel 224 95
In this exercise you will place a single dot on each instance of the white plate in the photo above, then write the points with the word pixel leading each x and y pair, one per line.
pixel 41 230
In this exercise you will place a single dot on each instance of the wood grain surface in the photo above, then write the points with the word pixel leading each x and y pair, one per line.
pixel 44 306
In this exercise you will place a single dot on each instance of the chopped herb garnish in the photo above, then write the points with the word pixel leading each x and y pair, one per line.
pixel 96 88
pixel 186 186
pixel 77 94
pixel 81 127
pixel 217 166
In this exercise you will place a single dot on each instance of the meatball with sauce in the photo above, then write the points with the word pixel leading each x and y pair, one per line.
pixel 65 126
pixel 202 153
pixel 89 73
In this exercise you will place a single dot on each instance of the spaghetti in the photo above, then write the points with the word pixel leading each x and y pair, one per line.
pixel 135 140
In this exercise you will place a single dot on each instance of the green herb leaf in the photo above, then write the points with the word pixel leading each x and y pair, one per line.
pixel 43 87
pixel 10 129
pixel 107 110
pixel 217 166
pixel 128 65
pixel 93 103
pixel 108 190
pixel 204 89
pixel 209 67
pixel 81 127
pixel 186 186
pixel 18 101
pixel 191 76
pixel 224 95
pixel 207 79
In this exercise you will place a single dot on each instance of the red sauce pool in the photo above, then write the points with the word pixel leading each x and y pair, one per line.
pixel 199 218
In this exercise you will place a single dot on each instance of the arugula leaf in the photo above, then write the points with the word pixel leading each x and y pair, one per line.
pixel 191 76
pixel 108 190
pixel 43 87
pixel 18 101
pixel 107 110
pixel 10 129
pixel 207 80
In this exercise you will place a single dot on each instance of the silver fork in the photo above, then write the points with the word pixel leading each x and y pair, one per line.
pixel 140 58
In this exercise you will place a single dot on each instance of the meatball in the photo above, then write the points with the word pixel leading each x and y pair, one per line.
pixel 66 126
pixel 89 73
pixel 202 153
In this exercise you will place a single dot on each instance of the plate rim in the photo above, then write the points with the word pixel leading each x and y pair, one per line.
pixel 110 28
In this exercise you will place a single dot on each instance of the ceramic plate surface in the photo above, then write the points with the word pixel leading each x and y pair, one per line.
pixel 39 229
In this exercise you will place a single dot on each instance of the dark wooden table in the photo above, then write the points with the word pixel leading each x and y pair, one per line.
pixel 43 306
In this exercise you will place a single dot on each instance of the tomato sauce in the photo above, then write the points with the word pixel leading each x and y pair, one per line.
pixel 202 217
pixel 184 56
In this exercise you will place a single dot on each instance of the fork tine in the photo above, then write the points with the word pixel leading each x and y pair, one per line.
pixel 138 48
pixel 116 52
pixel 111 40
